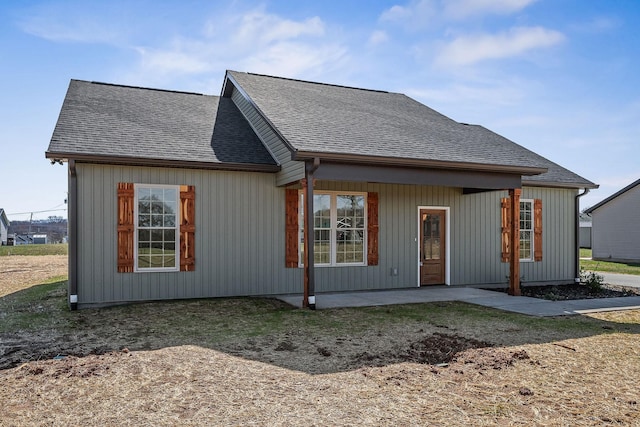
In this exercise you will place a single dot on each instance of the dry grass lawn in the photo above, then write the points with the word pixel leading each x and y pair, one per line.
pixel 257 362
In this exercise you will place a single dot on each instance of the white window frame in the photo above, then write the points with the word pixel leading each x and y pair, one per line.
pixel 333 229
pixel 530 230
pixel 176 266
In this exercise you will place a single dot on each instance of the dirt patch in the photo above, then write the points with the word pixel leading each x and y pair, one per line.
pixel 259 362
pixel 574 291
pixel 538 384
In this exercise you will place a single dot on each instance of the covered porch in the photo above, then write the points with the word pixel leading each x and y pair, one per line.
pixel 467 179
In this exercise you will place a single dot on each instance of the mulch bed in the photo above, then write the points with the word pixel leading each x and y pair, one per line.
pixel 574 291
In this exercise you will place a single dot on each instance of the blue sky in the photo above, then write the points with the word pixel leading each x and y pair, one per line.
pixel 559 77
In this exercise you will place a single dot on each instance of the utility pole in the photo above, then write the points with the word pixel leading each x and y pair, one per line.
pixel 30 219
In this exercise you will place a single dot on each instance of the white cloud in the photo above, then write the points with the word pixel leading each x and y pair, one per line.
pixel 264 28
pixel 459 9
pixel 378 37
pixel 255 41
pixel 418 14
pixel 182 60
pixel 600 24
pixel 70 28
pixel 466 50
pixel 294 59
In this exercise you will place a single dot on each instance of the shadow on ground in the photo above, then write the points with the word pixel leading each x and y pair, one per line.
pixel 35 324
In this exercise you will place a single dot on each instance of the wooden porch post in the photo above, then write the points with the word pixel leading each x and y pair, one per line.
pixel 514 236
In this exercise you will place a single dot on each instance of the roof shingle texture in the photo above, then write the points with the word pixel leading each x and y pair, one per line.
pixel 322 118
pixel 109 120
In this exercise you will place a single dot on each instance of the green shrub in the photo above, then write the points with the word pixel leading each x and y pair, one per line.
pixel 592 280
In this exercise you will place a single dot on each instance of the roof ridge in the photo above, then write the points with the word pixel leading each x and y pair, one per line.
pixel 316 83
pixel 148 88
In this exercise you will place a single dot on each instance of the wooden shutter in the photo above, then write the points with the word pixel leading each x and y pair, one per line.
pixel 125 227
pixel 292 228
pixel 537 230
pixel 373 229
pixel 187 228
pixel 505 223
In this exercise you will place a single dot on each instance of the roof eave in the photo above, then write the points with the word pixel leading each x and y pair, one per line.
pixel 410 162
pixel 555 184
pixel 138 161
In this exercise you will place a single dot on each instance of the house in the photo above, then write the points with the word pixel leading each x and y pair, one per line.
pixel 585 230
pixel 22 239
pixel 615 231
pixel 285 186
pixel 4 227
pixel 39 239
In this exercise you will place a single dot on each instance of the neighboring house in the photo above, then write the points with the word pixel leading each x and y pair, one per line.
pixel 22 239
pixel 585 230
pixel 615 232
pixel 39 239
pixel 182 195
pixel 4 227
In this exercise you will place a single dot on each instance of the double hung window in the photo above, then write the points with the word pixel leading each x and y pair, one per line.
pixel 339 227
pixel 157 228
pixel 530 225
pixel 526 230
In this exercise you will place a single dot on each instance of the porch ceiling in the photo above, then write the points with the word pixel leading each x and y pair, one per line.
pixel 485 180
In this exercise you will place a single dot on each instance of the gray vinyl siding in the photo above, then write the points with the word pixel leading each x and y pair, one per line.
pixel 615 230
pixel 558 236
pixel 291 170
pixel 239 237
pixel 240 225
pixel 475 249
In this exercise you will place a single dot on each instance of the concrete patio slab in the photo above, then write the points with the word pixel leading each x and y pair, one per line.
pixel 499 300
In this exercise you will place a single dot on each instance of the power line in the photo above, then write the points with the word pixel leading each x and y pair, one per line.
pixel 34 212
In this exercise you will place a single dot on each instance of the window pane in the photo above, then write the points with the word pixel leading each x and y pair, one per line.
pixel 322 211
pixel 144 220
pixel 143 261
pixel 144 194
pixel 169 207
pixel 322 246
pixel 349 246
pixel 156 235
pixel 156 261
pixel 157 194
pixel 144 235
pixel 350 211
pixel 169 195
pixel 156 220
pixel 144 207
pixel 525 245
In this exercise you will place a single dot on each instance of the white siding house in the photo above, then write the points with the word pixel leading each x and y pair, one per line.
pixel 4 227
pixel 616 226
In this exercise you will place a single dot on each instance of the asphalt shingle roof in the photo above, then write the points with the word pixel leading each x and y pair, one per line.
pixel 330 119
pixel 137 123
pixel 613 196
